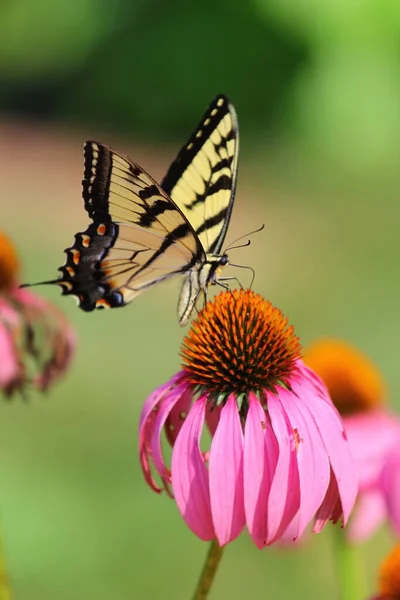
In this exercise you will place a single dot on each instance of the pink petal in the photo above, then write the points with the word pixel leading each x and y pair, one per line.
pixel 177 415
pixel 284 497
pixel 369 514
pixel 333 436
pixel 8 314
pixel 171 397
pixel 146 424
pixel 226 475
pixel 315 380
pixel 9 366
pixel 30 299
pixel 145 452
pixel 312 459
pixel 155 397
pixel 291 533
pixel 331 508
pixel 371 436
pixel 391 489
pixel 190 475
pixel 261 453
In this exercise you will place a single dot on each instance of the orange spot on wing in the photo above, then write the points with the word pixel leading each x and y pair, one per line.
pixel 101 229
pixel 102 303
pixel 85 241
pixel 76 255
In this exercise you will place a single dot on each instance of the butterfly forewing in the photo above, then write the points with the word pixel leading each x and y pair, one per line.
pixel 202 179
pixel 120 190
pixel 138 236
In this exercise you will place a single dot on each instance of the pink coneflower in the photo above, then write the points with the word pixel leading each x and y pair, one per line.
pixel 357 390
pixel 36 342
pixel 389 576
pixel 278 455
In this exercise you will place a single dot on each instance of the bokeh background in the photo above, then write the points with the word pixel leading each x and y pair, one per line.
pixel 317 89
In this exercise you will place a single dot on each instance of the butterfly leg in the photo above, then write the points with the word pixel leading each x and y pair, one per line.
pixel 205 297
pixel 230 279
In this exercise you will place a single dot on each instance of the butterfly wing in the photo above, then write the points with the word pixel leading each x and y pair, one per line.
pixel 202 179
pixel 138 236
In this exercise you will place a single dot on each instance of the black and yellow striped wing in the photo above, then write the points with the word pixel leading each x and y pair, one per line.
pixel 138 236
pixel 202 179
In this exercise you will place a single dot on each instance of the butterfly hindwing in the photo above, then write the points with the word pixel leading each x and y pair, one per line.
pixel 202 179
pixel 138 236
pixel 81 273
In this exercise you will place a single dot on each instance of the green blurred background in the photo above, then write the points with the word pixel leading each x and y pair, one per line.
pixel 317 89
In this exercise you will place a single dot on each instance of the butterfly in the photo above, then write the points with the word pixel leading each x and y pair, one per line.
pixel 143 232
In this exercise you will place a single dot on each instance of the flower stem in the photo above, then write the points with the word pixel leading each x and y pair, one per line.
pixel 209 570
pixel 349 568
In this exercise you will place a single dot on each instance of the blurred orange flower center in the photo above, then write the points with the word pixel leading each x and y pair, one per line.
pixel 238 343
pixel 389 580
pixel 9 264
pixel 353 381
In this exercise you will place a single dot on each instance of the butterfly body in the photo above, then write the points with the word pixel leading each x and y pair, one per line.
pixel 196 281
pixel 142 232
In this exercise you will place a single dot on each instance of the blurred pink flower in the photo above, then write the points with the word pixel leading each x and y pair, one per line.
pixel 36 341
pixel 278 455
pixel 373 432
pixel 390 480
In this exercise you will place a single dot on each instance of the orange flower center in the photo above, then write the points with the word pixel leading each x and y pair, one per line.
pixel 9 264
pixel 389 577
pixel 238 343
pixel 353 381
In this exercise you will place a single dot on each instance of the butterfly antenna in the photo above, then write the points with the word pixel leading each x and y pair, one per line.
pixel 230 247
pixel 239 246
pixel 245 267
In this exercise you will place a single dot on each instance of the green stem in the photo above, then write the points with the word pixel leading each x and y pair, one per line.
pixel 209 570
pixel 349 568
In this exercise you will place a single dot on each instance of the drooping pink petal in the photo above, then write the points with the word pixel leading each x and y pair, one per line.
pixel 369 514
pixel 146 424
pixel 331 507
pixel 284 497
pixel 261 453
pixel 145 457
pixel 333 436
pixel 226 475
pixel 190 480
pixel 312 459
pixel 170 399
pixel 9 365
pixel 391 488
pixel 60 341
pixel 154 398
pixel 291 533
pixel 177 415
